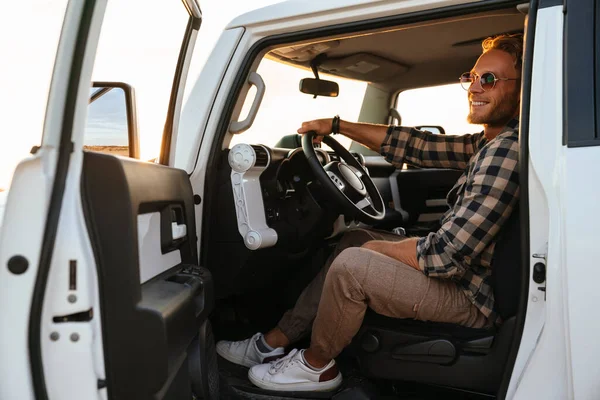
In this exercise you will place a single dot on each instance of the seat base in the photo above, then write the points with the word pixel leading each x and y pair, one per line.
pixel 433 353
pixel 427 328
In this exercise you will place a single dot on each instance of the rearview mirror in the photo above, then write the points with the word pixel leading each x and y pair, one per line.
pixel 319 87
pixel 111 125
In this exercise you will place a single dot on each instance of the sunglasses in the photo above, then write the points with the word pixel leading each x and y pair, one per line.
pixel 487 80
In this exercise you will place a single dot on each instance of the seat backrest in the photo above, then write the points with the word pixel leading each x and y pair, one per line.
pixel 506 266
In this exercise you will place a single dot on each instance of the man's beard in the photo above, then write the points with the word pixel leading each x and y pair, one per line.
pixel 499 115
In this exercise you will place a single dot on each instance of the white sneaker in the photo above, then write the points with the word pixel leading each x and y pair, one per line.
pixel 291 373
pixel 246 353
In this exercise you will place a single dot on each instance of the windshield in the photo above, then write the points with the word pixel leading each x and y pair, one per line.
pixel 446 106
pixel 284 107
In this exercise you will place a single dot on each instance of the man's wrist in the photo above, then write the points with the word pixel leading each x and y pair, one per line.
pixel 335 125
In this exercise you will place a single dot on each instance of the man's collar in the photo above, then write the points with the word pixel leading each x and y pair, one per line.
pixel 513 124
pixel 511 127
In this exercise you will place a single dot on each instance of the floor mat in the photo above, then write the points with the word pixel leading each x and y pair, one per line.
pixel 235 385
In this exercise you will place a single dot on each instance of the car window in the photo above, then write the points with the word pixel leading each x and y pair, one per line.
pixel 284 107
pixel 445 106
pixel 133 51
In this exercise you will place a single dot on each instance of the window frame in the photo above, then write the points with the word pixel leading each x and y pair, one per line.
pixel 179 80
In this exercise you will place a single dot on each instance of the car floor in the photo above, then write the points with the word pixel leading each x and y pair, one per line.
pixel 234 384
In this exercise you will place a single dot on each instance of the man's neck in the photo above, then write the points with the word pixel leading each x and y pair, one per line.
pixel 490 132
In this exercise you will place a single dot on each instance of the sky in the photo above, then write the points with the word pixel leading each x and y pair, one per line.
pixel 139 45
pixel 28 58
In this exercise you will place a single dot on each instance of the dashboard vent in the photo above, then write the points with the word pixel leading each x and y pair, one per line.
pixel 262 156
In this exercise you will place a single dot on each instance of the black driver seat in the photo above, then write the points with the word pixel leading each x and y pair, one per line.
pixel 448 354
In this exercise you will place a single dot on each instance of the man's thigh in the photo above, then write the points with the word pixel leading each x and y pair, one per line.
pixel 358 237
pixel 391 287
pixel 446 302
pixel 397 290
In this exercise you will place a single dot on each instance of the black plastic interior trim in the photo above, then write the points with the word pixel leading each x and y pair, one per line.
pixel 524 200
pixel 549 3
pixel 241 78
pixel 579 75
pixel 597 68
pixel 137 317
pixel 184 53
pixel 55 206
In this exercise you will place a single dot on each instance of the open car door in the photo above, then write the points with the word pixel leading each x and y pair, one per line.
pixel 107 298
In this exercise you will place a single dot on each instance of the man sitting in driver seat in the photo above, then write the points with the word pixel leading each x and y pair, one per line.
pixel 443 277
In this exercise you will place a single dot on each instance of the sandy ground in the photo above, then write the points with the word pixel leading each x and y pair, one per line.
pixel 114 150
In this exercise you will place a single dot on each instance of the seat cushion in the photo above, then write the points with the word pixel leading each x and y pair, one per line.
pixel 429 328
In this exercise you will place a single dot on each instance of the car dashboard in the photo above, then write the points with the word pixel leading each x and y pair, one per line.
pixel 276 198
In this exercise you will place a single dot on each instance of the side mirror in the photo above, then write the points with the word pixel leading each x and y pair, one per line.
pixel 438 130
pixel 319 87
pixel 111 125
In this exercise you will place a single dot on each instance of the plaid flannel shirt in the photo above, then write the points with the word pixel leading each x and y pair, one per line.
pixel 480 202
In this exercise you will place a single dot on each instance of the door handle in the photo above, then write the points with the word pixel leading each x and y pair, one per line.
pixel 178 230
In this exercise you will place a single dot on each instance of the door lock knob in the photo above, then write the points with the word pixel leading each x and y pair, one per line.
pixel 539 272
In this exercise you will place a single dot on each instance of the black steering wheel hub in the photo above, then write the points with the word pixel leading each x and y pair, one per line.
pixel 345 181
pixel 352 178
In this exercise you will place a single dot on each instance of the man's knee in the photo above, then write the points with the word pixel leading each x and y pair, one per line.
pixel 355 238
pixel 349 262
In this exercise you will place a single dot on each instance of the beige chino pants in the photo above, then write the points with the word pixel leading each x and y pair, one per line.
pixel 354 278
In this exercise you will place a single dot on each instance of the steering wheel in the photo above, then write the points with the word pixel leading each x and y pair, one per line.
pixel 345 181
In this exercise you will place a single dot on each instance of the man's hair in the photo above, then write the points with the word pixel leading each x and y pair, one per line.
pixel 509 43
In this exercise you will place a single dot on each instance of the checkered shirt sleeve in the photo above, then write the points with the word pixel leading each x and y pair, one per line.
pixel 491 191
pixel 424 149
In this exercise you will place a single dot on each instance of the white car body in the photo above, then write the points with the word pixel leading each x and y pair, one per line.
pixel 558 354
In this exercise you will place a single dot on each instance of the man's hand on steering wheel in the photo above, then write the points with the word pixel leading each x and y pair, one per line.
pixel 321 127
pixel 345 180
pixel 369 135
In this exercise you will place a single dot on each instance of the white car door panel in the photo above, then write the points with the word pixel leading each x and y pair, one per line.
pixel 31 229
pixel 103 305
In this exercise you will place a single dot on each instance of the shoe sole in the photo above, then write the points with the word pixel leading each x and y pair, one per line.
pixel 327 386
